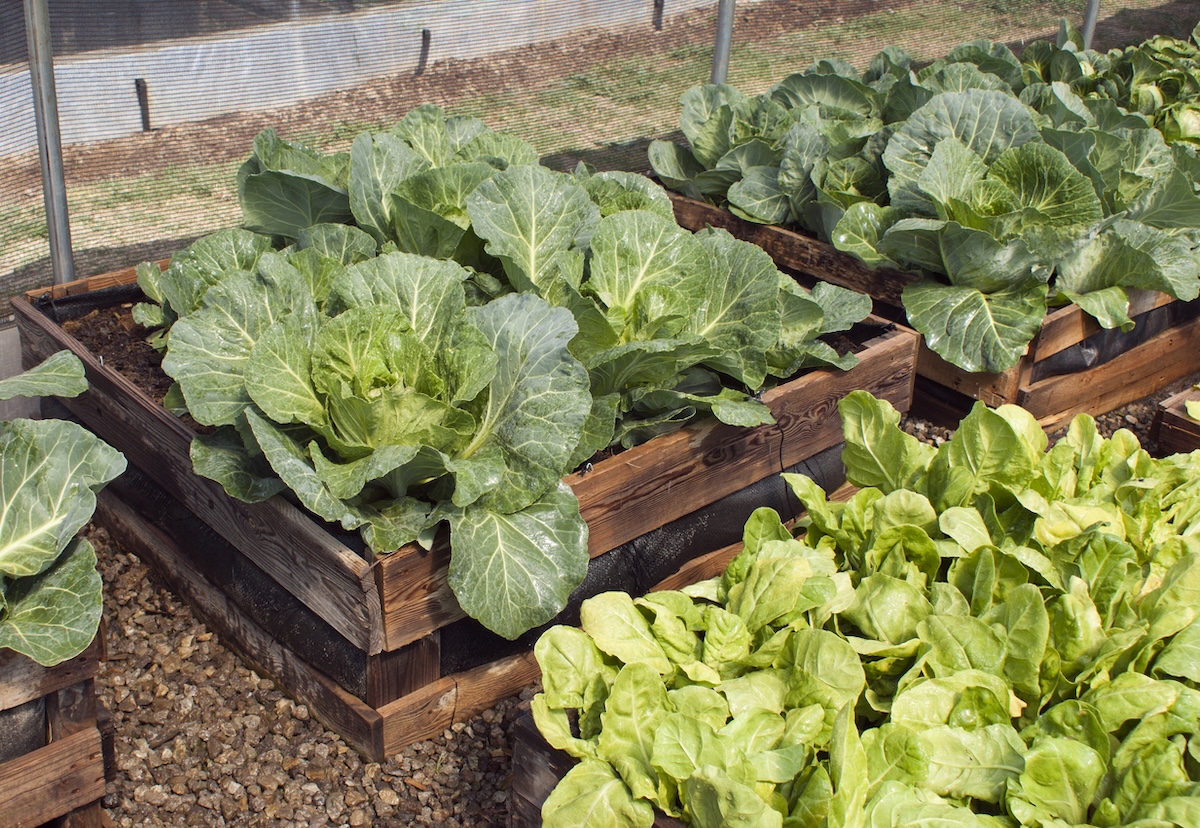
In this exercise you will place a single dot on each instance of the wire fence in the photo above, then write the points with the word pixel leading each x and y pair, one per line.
pixel 159 101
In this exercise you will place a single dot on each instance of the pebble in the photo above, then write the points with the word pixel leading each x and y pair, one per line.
pixel 201 740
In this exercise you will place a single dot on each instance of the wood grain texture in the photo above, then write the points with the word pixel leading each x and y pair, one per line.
pixel 115 278
pixel 425 713
pixel 331 580
pixel 358 723
pixel 993 389
pixel 61 777
pixel 797 252
pixel 23 679
pixel 1134 374
pixel 1174 430
pixel 1068 326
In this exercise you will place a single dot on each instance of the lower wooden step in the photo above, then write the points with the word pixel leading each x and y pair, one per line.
pixel 66 777
pixel 1174 430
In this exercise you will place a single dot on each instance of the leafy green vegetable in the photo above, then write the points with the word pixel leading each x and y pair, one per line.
pixel 469 329
pixel 50 472
pixel 1008 185
pixel 990 632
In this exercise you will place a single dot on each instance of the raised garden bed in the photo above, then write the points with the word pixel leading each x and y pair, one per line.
pixel 1173 428
pixel 51 750
pixel 1071 366
pixel 378 647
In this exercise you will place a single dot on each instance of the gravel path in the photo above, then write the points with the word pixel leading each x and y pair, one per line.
pixel 202 741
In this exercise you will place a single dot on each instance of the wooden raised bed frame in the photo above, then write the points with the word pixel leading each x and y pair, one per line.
pixel 1176 432
pixel 944 391
pixel 64 779
pixel 391 610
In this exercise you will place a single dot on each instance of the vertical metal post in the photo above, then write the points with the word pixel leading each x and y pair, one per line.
pixel 720 65
pixel 1089 22
pixel 45 110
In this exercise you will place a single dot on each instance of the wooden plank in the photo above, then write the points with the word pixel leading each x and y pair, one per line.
pixel 638 490
pixel 115 278
pixel 1175 431
pixel 394 674
pixel 52 781
pixel 89 816
pixel 797 252
pixel 1068 326
pixel 71 710
pixel 332 580
pixel 536 770
pixel 358 723
pixel 993 389
pixel 427 712
pixel 23 679
pixel 1134 374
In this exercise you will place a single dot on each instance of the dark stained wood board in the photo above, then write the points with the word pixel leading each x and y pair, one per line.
pixel 1176 432
pixel 64 776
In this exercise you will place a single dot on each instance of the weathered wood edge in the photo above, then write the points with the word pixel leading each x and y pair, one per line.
pixel 1062 329
pixel 22 679
pixel 1175 431
pixel 1069 325
pixel 333 581
pixel 65 775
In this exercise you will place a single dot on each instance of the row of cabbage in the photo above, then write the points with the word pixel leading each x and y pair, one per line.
pixel 1009 184
pixel 990 633
pixel 434 329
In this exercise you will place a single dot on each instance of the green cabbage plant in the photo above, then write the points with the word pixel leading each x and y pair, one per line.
pixel 50 471
pixel 474 328
pixel 1008 187
pixel 990 633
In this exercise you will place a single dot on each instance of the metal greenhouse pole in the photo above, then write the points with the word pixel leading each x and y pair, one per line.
pixel 45 110
pixel 1089 22
pixel 720 64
